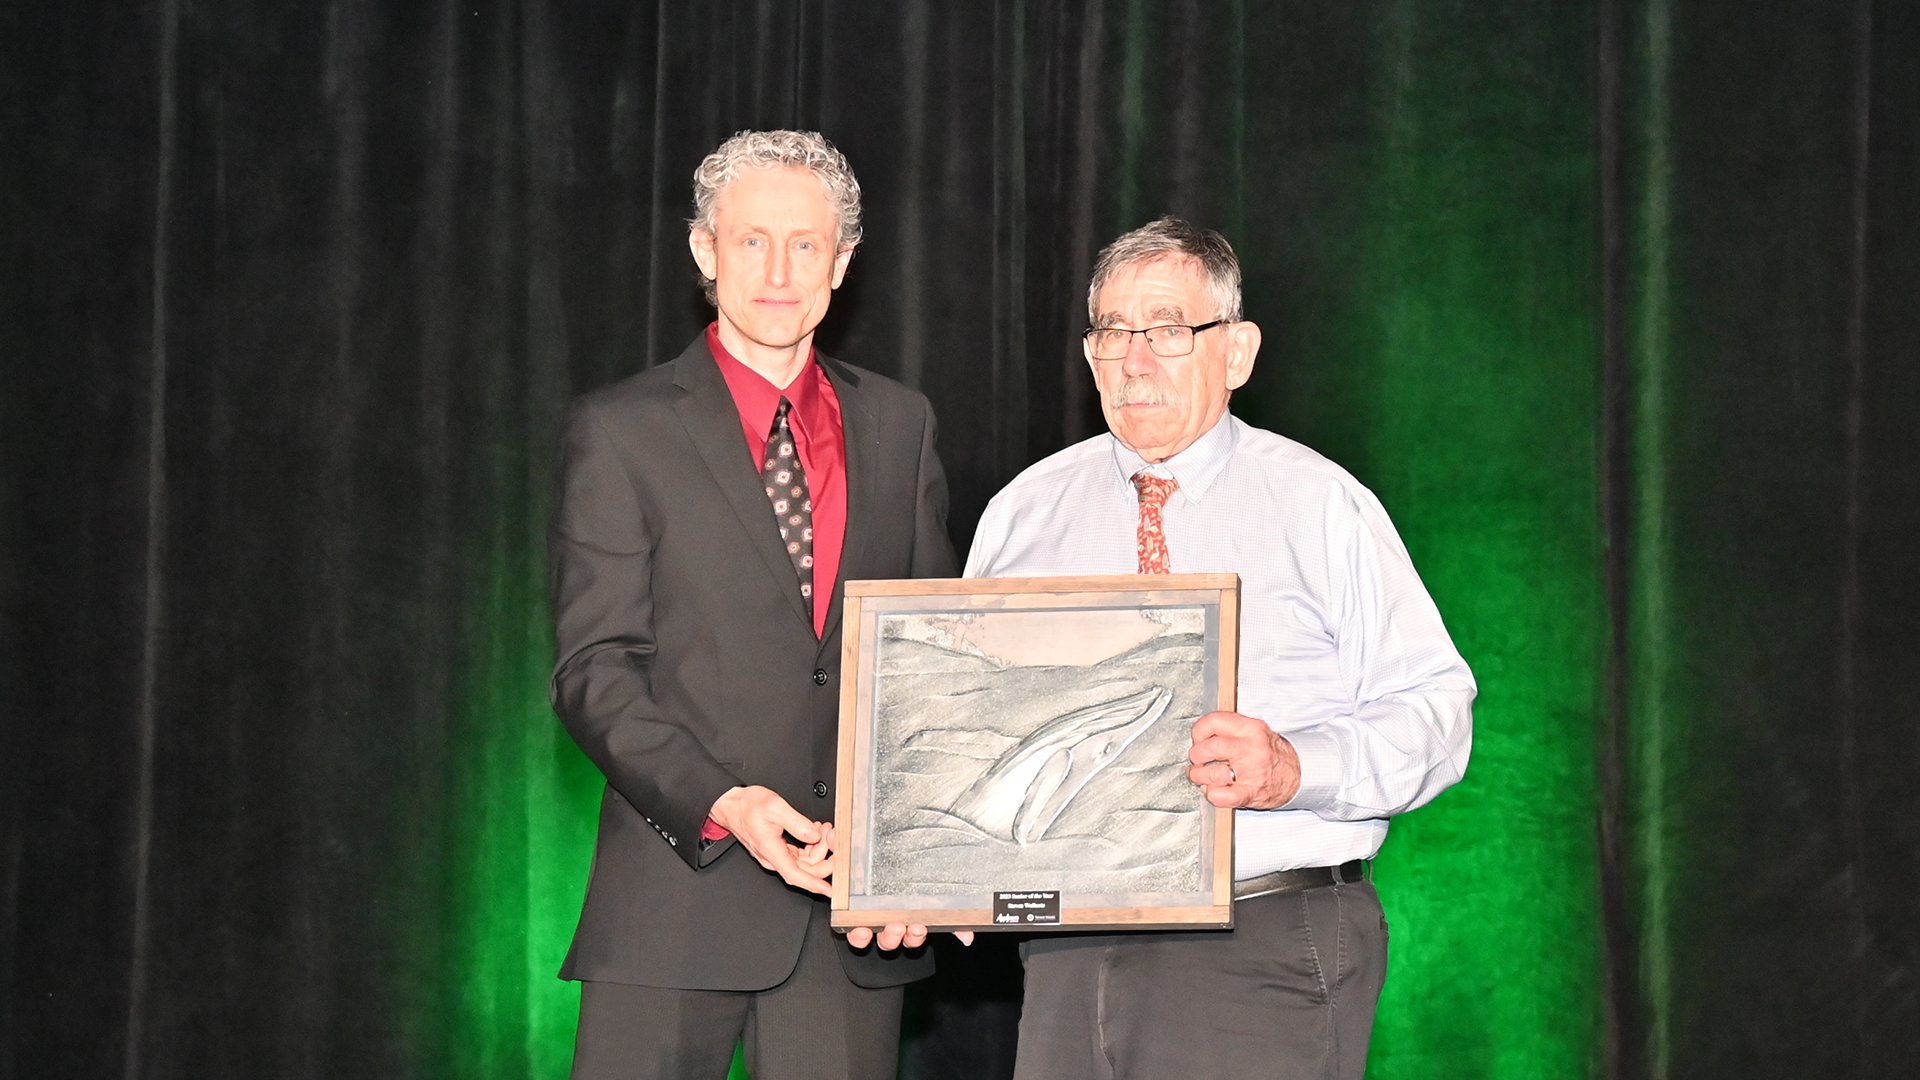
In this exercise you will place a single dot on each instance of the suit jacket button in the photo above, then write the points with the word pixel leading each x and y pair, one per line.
pixel 819 676
pixel 820 789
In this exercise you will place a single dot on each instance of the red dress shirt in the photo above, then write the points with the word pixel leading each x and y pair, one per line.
pixel 819 439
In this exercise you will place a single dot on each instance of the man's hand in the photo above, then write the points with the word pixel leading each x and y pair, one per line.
pixel 760 820
pixel 891 937
pixel 897 936
pixel 1241 762
pixel 817 858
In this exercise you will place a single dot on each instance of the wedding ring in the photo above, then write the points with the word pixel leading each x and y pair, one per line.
pixel 1232 777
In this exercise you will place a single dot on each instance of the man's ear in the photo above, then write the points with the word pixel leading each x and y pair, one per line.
pixel 1243 344
pixel 700 242
pixel 840 260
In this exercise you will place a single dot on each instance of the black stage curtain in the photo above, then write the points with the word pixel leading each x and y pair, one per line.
pixel 295 295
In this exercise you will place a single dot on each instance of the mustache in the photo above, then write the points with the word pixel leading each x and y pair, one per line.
pixel 1140 390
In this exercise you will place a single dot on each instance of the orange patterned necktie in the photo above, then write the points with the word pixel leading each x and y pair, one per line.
pixel 1152 537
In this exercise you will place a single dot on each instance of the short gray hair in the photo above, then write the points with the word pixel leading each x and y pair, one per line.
pixel 1172 236
pixel 807 150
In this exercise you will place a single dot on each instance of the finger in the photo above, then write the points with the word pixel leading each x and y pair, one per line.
pixel 811 881
pixel 965 936
pixel 860 937
pixel 821 850
pixel 780 858
pixel 1215 773
pixel 1213 723
pixel 1224 796
pixel 1235 728
pixel 1216 747
pixel 780 812
pixel 890 937
pixel 916 937
pixel 776 855
pixel 798 825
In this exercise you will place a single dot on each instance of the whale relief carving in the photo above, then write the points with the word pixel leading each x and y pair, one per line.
pixel 1031 784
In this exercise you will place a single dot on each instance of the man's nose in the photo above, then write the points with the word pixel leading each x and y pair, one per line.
pixel 1140 359
pixel 777 265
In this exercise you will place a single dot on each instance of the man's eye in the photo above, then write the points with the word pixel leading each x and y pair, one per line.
pixel 753 242
pixel 1167 334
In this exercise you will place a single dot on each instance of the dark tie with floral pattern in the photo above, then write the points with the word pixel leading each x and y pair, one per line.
pixel 792 504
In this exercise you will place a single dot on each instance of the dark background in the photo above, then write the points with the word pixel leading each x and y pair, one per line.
pixel 1613 302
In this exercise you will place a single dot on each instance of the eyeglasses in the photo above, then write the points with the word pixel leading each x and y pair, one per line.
pixel 1172 339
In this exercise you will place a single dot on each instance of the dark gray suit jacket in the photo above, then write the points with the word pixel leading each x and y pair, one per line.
pixel 686 663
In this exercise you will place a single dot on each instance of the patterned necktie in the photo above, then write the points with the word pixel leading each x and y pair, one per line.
pixel 1152 537
pixel 792 505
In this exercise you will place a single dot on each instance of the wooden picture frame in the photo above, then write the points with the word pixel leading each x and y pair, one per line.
pixel 1013 753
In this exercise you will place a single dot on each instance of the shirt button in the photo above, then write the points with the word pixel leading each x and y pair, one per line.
pixel 820 789
pixel 819 676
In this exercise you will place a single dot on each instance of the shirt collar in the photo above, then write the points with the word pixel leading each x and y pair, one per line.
pixel 756 398
pixel 1195 468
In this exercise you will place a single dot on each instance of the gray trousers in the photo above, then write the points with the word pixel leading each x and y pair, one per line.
pixel 816 1025
pixel 1288 993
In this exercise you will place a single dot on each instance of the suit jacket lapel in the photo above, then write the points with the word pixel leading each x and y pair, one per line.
pixel 860 433
pixel 712 421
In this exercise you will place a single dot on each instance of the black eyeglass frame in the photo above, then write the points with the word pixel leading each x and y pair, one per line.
pixel 1086 336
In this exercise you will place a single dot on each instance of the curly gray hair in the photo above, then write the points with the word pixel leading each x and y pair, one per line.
pixel 1172 236
pixel 807 150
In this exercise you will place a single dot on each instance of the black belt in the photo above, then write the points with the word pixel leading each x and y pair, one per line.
pixel 1306 877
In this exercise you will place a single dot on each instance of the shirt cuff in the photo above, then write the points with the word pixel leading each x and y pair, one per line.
pixel 714 842
pixel 1319 754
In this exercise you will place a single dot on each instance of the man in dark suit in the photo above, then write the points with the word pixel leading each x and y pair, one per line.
pixel 708 510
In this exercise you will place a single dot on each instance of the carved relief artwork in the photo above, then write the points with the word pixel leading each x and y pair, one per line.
pixel 1013 753
pixel 1037 750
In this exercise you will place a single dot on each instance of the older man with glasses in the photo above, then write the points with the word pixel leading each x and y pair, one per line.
pixel 1357 706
